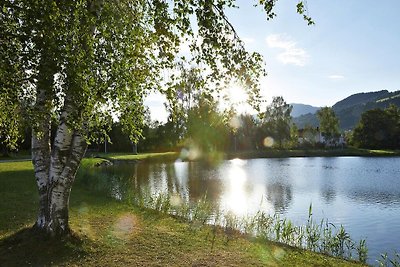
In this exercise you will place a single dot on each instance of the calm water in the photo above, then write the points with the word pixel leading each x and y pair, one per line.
pixel 363 194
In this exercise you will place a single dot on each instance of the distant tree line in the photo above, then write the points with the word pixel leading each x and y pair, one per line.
pixel 203 127
pixel 378 129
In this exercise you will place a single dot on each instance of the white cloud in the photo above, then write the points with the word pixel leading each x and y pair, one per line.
pixel 291 54
pixel 336 77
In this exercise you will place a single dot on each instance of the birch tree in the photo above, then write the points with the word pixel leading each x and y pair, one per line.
pixel 278 119
pixel 328 123
pixel 73 63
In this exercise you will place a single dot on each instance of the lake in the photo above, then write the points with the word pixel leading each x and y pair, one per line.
pixel 361 193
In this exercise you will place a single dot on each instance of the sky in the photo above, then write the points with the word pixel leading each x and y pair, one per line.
pixel 353 47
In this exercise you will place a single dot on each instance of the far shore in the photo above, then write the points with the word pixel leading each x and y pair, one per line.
pixel 266 153
pixel 335 152
pixel 270 153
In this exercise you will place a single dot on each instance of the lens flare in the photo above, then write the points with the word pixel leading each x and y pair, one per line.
pixel 176 200
pixel 191 153
pixel 124 226
pixel 268 141
pixel 235 123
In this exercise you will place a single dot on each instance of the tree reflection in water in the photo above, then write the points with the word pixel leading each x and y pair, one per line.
pixel 280 195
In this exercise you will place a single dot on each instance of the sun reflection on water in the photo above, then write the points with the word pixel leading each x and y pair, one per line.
pixel 182 175
pixel 235 197
pixel 239 196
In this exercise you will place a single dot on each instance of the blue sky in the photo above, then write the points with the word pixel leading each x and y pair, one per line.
pixel 353 47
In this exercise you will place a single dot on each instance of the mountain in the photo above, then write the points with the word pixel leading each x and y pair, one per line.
pixel 359 99
pixel 349 110
pixel 309 119
pixel 349 115
pixel 302 109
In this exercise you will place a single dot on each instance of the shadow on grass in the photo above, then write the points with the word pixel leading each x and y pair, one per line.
pixel 27 247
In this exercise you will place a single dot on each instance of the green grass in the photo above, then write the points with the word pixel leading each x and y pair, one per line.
pixel 112 233
pixel 141 156
pixel 322 236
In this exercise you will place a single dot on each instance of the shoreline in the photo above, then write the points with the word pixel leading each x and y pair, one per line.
pixel 115 233
pixel 293 153
pixel 121 157
pixel 270 153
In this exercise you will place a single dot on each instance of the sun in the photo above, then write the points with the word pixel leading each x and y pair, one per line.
pixel 236 94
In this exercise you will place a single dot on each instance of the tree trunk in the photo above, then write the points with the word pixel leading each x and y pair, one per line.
pixel 55 171
pixel 41 135
pixel 56 166
pixel 41 164
pixel 55 181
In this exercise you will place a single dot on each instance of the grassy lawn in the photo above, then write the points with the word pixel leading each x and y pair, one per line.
pixel 133 157
pixel 142 155
pixel 112 233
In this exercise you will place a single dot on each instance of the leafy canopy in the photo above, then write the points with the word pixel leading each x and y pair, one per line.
pixel 90 59
pixel 278 119
pixel 328 123
pixel 378 129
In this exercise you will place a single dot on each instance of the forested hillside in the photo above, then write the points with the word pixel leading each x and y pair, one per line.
pixel 349 110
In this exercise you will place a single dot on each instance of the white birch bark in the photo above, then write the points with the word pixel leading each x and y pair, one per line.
pixel 41 151
pixel 56 167
pixel 68 149
pixel 41 163
pixel 55 170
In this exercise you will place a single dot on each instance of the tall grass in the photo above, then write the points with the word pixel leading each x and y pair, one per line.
pixel 385 261
pixel 323 236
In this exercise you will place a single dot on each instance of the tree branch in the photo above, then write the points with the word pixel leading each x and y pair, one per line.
pixel 224 17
